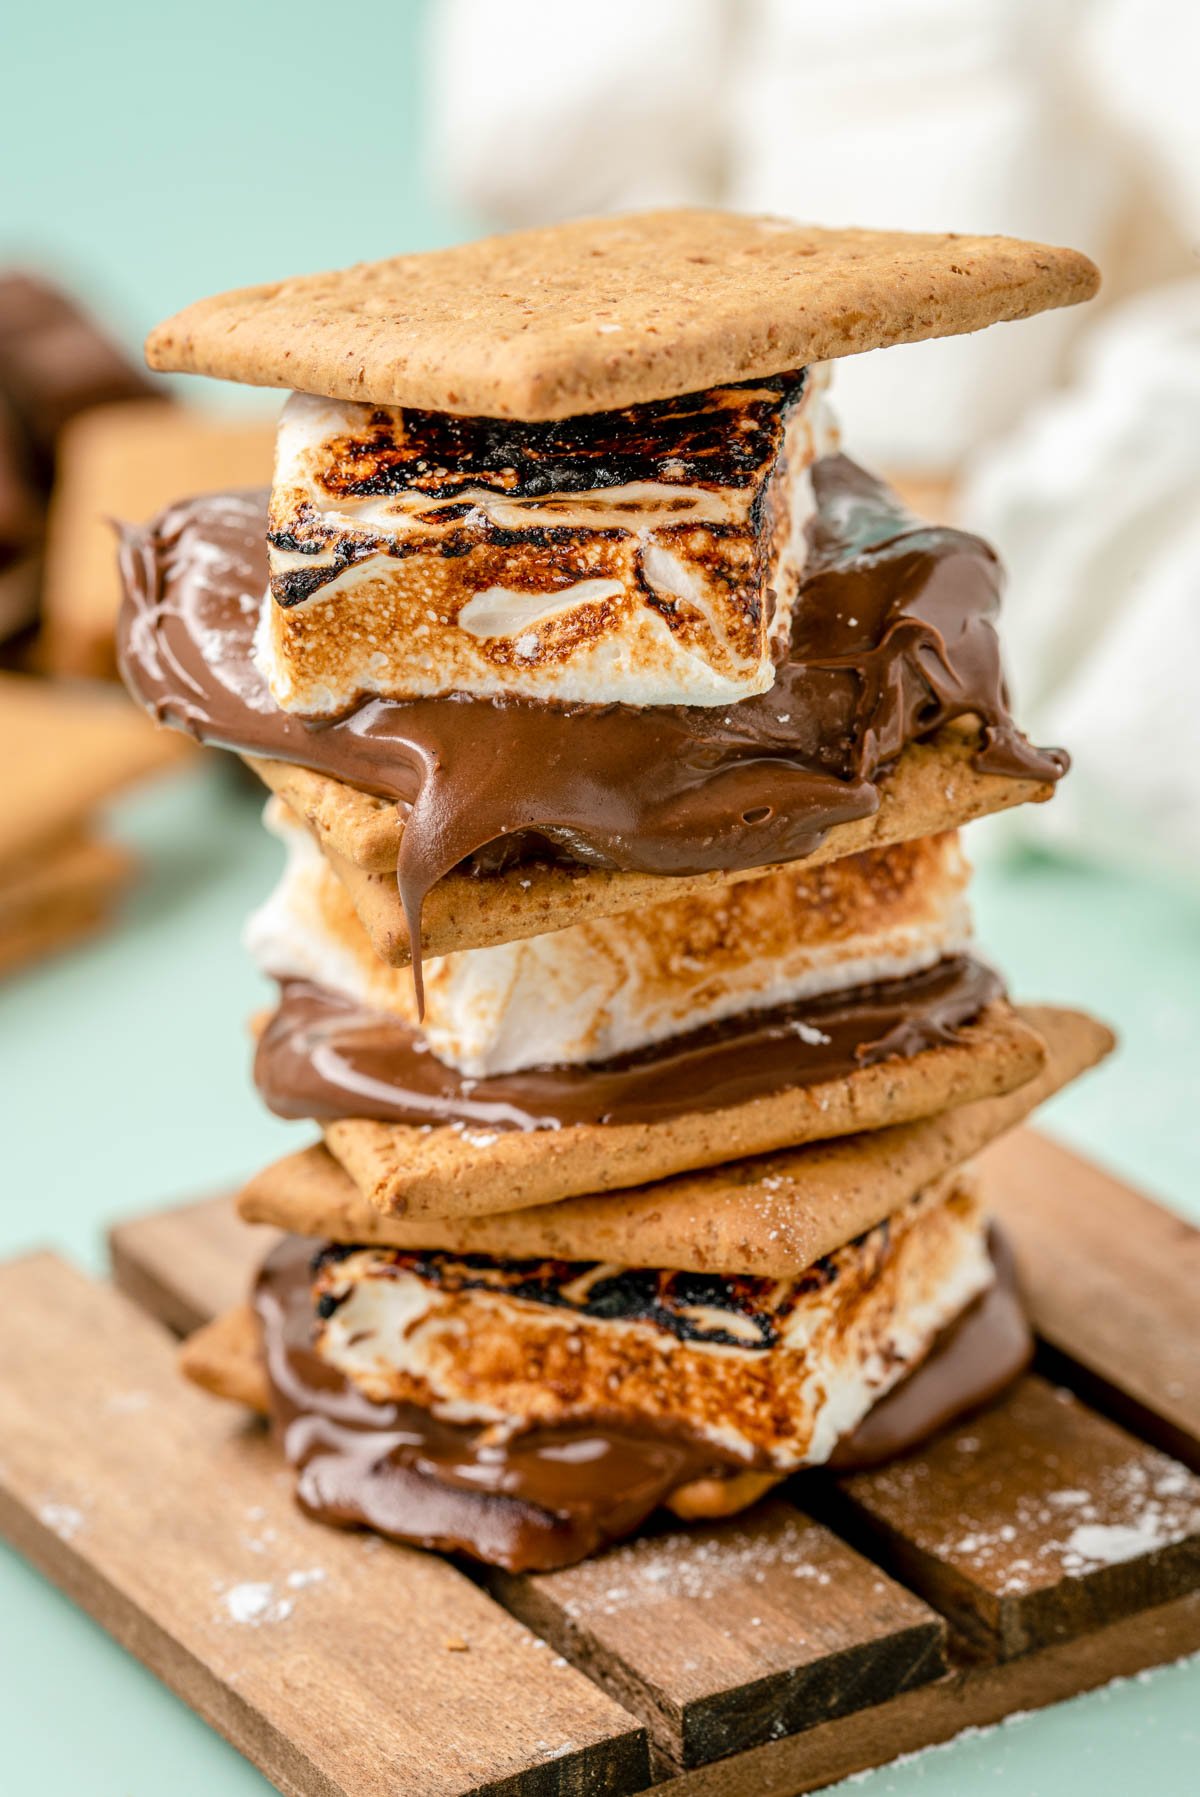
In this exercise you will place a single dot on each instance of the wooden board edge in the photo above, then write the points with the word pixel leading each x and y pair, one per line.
pixel 932 1715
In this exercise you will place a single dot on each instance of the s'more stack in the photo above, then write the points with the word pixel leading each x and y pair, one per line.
pixel 620 729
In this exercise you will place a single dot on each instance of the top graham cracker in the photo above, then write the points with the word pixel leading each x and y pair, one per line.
pixel 601 313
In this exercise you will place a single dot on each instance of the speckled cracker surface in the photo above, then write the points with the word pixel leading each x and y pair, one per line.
pixel 596 314
pixel 770 1217
pixel 447 1172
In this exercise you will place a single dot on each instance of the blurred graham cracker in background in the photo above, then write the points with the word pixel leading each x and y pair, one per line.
pixel 60 897
pixel 64 752
pixel 123 463
pixel 930 494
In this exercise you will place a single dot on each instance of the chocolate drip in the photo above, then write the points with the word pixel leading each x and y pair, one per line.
pixel 550 1497
pixel 893 637
pixel 322 1056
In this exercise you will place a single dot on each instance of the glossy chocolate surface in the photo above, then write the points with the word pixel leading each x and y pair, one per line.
pixel 322 1056
pixel 893 637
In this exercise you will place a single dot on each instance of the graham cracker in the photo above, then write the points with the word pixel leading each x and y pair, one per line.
pixel 58 898
pixel 126 462
pixel 37 939
pixel 600 313
pixel 78 864
pixel 64 749
pixel 450 1172
pixel 225 1358
pixel 933 786
pixel 771 1217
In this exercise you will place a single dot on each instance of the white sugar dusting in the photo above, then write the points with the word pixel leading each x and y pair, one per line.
pixel 689 1566
pixel 64 1519
pixel 258 1544
pixel 1107 1544
pixel 1133 1509
pixel 253 1604
pixel 305 1576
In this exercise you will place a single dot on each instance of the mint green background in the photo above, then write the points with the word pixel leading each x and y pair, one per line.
pixel 151 155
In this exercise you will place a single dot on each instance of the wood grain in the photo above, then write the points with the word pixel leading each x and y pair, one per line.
pixel 722 1637
pixel 1113 1280
pixel 336 1663
pixel 1035 1521
pixel 669 1625
pixel 974 1696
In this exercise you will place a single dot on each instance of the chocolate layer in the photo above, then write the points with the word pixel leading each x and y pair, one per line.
pixel 550 1497
pixel 323 1056
pixel 893 636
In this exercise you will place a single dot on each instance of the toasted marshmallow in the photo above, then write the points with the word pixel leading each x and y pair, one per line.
pixel 771 1372
pixel 649 557
pixel 615 984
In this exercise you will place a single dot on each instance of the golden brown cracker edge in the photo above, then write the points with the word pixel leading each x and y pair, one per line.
pixel 224 1357
pixel 932 787
pixel 599 313
pixel 770 1217
pixel 445 1171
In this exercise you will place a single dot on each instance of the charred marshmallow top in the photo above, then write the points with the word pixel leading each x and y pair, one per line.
pixel 649 556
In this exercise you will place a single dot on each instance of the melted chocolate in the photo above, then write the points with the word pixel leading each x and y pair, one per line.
pixel 321 1056
pixel 971 1363
pixel 893 637
pixel 550 1497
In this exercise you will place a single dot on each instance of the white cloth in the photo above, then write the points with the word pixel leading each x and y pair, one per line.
pixel 1072 121
pixel 919 114
pixel 1094 503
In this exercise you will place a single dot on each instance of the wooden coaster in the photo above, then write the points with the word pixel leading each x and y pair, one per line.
pixel 836 1626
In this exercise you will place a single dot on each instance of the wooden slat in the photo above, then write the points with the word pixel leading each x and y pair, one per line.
pixel 972 1697
pixel 1101 1620
pixel 784 1625
pixel 336 1663
pixel 1033 1522
pixel 188 1264
pixel 1113 1282
pixel 722 1637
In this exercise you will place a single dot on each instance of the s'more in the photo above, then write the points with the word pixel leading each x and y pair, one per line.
pixel 620 730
